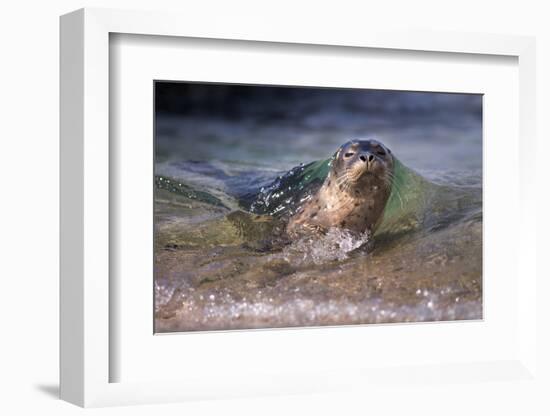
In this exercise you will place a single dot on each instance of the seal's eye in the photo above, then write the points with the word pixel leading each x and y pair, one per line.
pixel 349 154
pixel 381 152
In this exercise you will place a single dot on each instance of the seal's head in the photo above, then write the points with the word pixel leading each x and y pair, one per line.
pixel 359 165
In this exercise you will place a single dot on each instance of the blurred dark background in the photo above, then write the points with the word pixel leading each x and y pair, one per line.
pixel 282 126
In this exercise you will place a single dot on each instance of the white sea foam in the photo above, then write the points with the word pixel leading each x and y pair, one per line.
pixel 336 244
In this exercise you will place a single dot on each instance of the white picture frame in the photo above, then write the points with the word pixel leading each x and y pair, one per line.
pixel 86 355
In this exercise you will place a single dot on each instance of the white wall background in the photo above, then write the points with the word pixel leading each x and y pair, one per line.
pixel 29 205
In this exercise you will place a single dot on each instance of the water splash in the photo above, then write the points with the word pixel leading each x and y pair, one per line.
pixel 288 191
pixel 335 245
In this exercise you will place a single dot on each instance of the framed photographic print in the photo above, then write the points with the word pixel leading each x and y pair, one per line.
pixel 281 206
pixel 245 213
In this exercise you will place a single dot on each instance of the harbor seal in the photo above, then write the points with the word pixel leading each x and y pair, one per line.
pixel 354 193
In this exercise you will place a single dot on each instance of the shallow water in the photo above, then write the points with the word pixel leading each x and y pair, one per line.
pixel 218 267
pixel 223 191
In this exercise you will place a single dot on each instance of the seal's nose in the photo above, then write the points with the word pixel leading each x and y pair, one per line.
pixel 366 156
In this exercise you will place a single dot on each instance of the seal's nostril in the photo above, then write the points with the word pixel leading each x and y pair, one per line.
pixel 363 158
pixel 371 158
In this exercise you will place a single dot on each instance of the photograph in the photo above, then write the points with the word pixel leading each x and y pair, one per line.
pixel 280 206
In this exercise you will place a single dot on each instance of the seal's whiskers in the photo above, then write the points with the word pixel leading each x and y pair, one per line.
pixel 343 181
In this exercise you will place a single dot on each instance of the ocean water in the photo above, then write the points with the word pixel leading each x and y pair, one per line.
pixel 223 185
